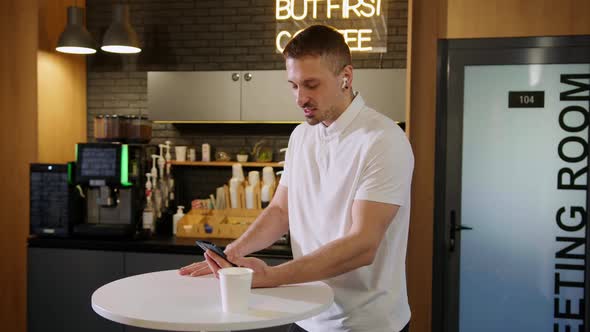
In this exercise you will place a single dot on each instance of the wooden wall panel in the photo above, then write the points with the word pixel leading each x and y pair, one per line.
pixel 61 87
pixel 428 21
pixel 423 25
pixel 516 18
pixel 33 128
pixel 18 134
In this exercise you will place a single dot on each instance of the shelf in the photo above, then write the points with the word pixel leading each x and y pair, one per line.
pixel 223 164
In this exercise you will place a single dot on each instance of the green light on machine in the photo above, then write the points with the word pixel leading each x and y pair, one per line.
pixel 70 175
pixel 125 166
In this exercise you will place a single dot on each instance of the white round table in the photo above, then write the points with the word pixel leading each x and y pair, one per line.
pixel 166 300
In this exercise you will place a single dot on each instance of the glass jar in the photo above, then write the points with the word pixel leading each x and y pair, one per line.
pixel 116 121
pixel 124 121
pixel 262 152
pixel 99 132
pixel 112 128
pixel 130 132
pixel 139 129
pixel 108 127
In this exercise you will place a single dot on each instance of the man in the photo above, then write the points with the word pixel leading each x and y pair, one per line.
pixel 344 196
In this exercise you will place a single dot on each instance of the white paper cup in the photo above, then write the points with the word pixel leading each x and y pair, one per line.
pixel 180 153
pixel 235 284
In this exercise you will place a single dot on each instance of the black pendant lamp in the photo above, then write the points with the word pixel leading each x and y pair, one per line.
pixel 76 39
pixel 120 36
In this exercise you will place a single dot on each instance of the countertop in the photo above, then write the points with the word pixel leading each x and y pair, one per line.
pixel 156 244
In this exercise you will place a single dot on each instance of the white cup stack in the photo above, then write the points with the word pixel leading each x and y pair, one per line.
pixel 233 193
pixel 237 172
pixel 268 176
pixel 253 178
pixel 249 197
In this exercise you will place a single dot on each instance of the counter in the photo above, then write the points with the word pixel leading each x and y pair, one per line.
pixel 63 273
pixel 158 244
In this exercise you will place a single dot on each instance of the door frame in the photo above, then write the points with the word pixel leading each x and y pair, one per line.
pixel 453 56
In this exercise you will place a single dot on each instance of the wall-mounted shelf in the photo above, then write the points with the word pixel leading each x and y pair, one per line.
pixel 224 164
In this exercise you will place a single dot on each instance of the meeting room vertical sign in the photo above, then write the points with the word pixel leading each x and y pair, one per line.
pixel 572 176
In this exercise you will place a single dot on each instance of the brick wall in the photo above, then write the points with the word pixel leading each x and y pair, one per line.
pixel 193 35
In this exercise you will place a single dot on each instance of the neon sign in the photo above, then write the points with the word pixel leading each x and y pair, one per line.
pixel 362 22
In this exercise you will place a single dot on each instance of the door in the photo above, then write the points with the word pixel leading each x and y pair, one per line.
pixel 512 164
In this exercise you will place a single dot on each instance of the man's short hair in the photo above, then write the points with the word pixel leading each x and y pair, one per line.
pixel 323 41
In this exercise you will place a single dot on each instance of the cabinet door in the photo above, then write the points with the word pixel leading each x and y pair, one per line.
pixel 267 96
pixel 193 96
pixel 383 90
pixel 60 285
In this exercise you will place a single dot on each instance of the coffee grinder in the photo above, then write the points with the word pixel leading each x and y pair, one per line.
pixel 108 174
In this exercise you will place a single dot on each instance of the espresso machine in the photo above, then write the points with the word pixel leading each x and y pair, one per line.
pixel 108 174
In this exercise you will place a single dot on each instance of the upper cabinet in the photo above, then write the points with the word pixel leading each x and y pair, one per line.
pixel 218 96
pixel 194 96
pixel 267 96
pixel 383 89
pixel 257 96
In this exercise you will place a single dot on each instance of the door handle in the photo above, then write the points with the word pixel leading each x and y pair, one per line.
pixel 248 76
pixel 454 228
pixel 235 76
pixel 463 228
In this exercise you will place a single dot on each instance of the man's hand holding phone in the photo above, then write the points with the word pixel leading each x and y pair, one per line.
pixel 216 259
pixel 210 246
pixel 213 255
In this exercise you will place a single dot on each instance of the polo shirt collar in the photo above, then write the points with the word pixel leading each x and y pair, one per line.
pixel 345 119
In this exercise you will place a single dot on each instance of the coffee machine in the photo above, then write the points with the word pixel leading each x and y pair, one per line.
pixel 109 177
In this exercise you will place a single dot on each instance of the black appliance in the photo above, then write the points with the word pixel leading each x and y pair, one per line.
pixel 109 176
pixel 55 203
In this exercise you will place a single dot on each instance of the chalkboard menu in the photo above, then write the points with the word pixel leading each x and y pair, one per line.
pixel 49 199
pixel 98 162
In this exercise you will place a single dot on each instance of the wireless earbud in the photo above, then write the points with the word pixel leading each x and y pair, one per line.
pixel 345 83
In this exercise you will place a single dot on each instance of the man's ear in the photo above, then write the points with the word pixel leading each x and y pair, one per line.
pixel 347 77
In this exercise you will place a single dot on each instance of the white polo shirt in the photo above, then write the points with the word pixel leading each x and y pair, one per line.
pixel 363 155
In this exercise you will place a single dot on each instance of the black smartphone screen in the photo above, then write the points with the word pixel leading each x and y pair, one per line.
pixel 208 245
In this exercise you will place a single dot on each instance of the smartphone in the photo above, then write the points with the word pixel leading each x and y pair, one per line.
pixel 210 246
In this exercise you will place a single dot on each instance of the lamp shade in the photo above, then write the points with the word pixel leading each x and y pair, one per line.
pixel 75 38
pixel 120 36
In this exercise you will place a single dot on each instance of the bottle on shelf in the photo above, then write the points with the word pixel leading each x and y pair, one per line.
pixel 179 214
pixel 148 216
